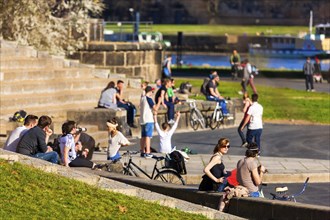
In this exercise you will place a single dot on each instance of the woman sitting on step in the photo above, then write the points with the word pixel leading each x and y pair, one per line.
pixel 108 97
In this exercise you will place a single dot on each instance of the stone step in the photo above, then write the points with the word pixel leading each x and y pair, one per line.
pixel 51 86
pixel 30 63
pixel 44 74
pixel 55 111
pixel 9 48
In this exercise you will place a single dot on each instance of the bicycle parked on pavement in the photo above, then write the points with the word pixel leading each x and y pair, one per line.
pixel 196 118
pixel 217 118
pixel 281 193
pixel 164 174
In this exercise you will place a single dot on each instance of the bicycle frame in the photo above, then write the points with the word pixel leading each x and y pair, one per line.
pixel 290 197
pixel 217 113
pixel 193 107
pixel 131 164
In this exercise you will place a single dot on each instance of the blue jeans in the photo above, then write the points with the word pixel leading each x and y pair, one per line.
pixel 170 110
pixel 49 156
pixel 222 103
pixel 256 134
pixel 255 194
pixel 130 112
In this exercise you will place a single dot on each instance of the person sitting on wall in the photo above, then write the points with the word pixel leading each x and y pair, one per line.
pixel 128 106
pixel 212 94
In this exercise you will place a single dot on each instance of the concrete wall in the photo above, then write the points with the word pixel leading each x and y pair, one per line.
pixel 132 59
pixel 259 208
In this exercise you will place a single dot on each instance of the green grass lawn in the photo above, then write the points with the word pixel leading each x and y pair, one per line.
pixel 279 103
pixel 28 193
pixel 171 29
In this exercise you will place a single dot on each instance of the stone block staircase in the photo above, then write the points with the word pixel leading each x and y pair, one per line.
pixel 43 84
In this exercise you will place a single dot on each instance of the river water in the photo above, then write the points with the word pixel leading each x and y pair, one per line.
pixel 260 62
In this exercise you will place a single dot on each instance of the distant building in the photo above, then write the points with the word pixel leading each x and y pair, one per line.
pixel 263 12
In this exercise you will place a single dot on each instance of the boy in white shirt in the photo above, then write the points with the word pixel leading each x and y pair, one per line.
pixel 165 134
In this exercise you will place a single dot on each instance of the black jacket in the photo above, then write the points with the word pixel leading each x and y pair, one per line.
pixel 32 142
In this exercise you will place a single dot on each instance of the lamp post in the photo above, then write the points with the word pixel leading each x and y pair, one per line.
pixel 136 23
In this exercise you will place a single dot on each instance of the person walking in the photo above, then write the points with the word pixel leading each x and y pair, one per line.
pixel 254 118
pixel 308 69
pixel 247 103
pixel 166 68
pixel 235 61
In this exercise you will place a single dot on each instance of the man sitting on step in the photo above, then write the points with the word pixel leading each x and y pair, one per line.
pixel 121 103
pixel 29 122
pixel 33 142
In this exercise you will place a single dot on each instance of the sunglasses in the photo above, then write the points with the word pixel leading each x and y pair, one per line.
pixel 227 146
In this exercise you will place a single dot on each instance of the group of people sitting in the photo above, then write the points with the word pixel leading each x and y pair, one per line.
pixel 248 173
pixel 32 138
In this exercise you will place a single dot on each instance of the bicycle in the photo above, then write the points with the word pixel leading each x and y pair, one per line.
pixel 282 193
pixel 217 118
pixel 164 174
pixel 196 117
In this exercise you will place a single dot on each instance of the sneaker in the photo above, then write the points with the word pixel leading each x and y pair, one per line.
pixel 142 154
pixel 308 90
pixel 148 156
pixel 240 93
pixel 245 144
pixel 313 90
pixel 171 121
pixel 230 118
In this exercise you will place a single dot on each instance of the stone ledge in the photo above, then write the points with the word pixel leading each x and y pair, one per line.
pixel 111 46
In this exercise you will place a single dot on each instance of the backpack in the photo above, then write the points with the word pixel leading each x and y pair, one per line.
pixel 18 116
pixel 204 86
pixel 185 88
pixel 175 160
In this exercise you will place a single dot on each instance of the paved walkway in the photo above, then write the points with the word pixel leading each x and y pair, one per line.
pixel 280 169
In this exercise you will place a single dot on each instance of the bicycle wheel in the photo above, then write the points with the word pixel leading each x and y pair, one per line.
pixel 201 119
pixel 170 176
pixel 213 123
pixel 194 120
pixel 129 172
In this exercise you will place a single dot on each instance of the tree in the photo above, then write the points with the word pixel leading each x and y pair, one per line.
pixel 48 25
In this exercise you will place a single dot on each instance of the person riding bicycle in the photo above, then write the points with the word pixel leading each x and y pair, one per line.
pixel 212 94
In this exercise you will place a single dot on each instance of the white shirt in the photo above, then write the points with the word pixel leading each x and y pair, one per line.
pixel 165 145
pixel 115 143
pixel 15 136
pixel 68 141
pixel 146 115
pixel 256 111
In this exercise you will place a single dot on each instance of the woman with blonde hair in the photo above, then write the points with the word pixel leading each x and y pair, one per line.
pixel 215 170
